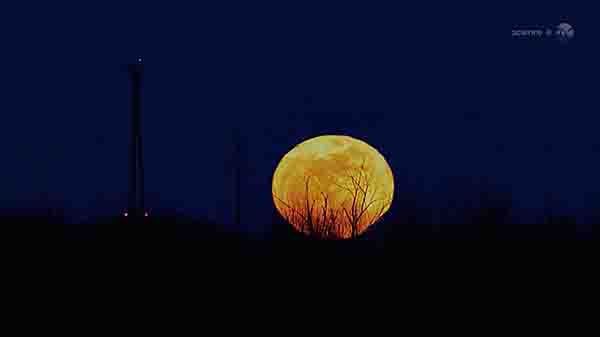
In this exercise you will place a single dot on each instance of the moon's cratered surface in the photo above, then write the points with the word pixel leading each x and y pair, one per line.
pixel 333 187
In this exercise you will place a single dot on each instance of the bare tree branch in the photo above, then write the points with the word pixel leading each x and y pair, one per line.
pixel 346 216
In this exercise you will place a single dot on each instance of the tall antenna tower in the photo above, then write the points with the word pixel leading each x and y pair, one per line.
pixel 237 178
pixel 136 163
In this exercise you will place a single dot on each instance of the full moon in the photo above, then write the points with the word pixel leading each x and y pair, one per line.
pixel 333 187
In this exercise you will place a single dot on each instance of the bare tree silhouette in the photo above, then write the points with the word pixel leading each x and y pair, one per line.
pixel 314 214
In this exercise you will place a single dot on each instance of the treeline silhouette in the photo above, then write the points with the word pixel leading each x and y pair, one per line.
pixel 162 228
pixel 473 209
pixel 477 209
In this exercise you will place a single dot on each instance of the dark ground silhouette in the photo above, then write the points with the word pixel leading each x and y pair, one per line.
pixel 482 213
pixel 401 225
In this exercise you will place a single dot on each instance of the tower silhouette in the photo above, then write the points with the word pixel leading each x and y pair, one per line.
pixel 136 164
pixel 237 177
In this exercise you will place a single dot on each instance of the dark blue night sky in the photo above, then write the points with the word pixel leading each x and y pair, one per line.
pixel 441 92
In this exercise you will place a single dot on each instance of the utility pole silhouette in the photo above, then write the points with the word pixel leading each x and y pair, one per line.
pixel 237 177
pixel 136 164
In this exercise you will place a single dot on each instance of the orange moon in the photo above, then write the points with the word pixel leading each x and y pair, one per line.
pixel 333 187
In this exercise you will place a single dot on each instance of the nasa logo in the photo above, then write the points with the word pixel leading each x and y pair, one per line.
pixel 565 32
